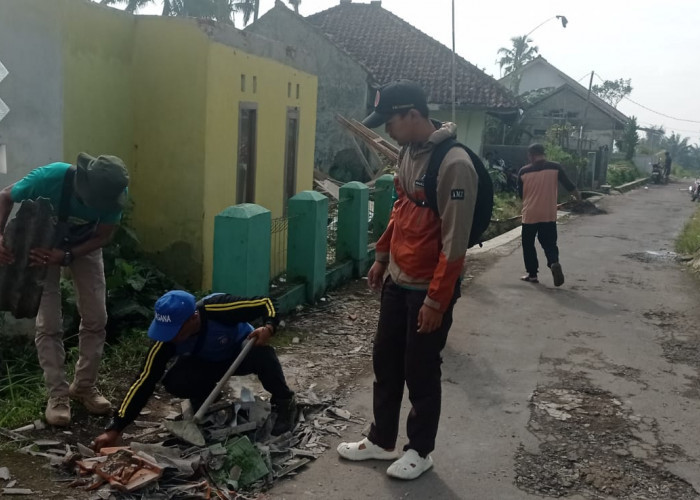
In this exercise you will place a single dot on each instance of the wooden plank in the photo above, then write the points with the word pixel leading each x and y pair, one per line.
pixel 371 138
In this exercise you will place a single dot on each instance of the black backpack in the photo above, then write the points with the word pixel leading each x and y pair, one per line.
pixel 484 197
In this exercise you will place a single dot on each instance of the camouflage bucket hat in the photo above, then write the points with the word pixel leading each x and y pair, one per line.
pixel 101 182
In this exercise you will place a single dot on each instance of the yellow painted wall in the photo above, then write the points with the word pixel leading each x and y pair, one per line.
pixel 169 93
pixel 162 95
pixel 225 93
pixel 97 79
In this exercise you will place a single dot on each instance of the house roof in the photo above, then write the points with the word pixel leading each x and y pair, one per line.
pixel 571 84
pixel 582 93
pixel 390 48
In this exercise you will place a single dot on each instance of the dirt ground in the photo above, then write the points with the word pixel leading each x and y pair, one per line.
pixel 323 349
pixel 600 417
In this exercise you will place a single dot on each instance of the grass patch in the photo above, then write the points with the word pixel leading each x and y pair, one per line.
pixel 688 241
pixel 621 172
pixel 506 206
pixel 22 390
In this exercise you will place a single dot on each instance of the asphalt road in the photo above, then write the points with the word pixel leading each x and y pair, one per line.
pixel 620 334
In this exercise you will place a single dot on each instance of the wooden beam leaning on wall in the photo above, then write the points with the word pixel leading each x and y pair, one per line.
pixel 375 141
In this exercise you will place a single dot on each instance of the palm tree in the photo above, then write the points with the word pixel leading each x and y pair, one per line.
pixel 248 8
pixel 131 5
pixel 218 10
pixel 295 4
pixel 678 147
pixel 512 59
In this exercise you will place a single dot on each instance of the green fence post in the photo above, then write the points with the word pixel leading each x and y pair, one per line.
pixel 382 204
pixel 242 250
pixel 352 225
pixel 307 241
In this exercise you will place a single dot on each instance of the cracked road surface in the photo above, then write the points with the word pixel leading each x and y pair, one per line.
pixel 587 391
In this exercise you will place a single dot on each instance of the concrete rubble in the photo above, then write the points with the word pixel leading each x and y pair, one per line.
pixel 239 460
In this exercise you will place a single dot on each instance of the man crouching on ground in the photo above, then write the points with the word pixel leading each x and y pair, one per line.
pixel 206 336
pixel 424 255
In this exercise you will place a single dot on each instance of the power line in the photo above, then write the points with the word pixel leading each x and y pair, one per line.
pixel 651 110
pixel 671 129
pixel 662 114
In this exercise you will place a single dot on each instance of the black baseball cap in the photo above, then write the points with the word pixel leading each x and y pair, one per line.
pixel 395 97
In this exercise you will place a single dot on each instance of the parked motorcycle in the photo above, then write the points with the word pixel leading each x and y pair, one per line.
pixel 657 174
pixel 694 190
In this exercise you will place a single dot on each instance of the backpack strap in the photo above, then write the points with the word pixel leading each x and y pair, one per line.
pixel 66 193
pixel 431 174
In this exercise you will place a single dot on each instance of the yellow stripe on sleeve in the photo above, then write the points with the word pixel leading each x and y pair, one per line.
pixel 231 306
pixel 139 382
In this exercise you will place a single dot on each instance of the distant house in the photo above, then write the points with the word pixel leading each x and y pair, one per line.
pixel 205 116
pixel 551 97
pixel 361 46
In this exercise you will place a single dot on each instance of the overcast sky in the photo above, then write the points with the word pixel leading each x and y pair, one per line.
pixel 656 44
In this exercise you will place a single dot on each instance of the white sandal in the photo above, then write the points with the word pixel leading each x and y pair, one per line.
pixel 410 465
pixel 365 450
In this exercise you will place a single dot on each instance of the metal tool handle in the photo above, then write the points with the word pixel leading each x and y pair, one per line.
pixel 247 346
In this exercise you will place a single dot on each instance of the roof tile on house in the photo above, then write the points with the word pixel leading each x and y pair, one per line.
pixel 390 48
pixel 568 83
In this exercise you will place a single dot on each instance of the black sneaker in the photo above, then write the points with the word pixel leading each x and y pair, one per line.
pixel 286 415
pixel 557 274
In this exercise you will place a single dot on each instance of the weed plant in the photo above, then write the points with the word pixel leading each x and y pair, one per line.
pixel 22 390
pixel 622 172
pixel 688 241
pixel 506 208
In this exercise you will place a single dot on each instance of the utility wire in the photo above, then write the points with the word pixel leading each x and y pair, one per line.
pixel 671 129
pixel 662 114
pixel 653 111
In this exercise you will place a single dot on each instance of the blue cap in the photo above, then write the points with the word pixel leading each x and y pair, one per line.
pixel 172 310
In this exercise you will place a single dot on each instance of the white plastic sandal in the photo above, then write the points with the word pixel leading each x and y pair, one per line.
pixel 410 466
pixel 365 450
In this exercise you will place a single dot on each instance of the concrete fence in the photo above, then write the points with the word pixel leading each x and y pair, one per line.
pixel 242 244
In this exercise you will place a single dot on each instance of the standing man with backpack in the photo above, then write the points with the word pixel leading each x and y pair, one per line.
pixel 88 200
pixel 423 250
pixel 538 186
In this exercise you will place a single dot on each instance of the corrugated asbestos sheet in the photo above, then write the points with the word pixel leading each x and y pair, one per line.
pixel 20 285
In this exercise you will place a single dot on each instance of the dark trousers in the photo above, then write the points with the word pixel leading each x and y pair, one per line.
pixel 546 233
pixel 402 355
pixel 194 378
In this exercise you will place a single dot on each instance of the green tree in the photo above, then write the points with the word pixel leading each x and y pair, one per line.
pixel 513 58
pixel 613 91
pixel 131 5
pixel 217 10
pixel 630 138
pixel 680 149
pixel 249 8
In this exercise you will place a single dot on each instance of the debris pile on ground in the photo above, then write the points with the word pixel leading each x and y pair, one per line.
pixel 239 459
pixel 330 345
pixel 323 350
pixel 582 207
pixel 591 445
